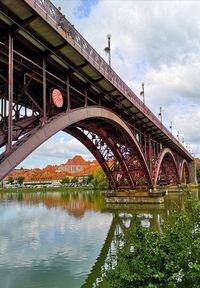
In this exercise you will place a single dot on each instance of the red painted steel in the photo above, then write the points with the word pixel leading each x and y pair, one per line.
pixel 37 136
pixel 165 171
pixel 184 172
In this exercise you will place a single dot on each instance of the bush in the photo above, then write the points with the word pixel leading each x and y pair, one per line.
pixel 100 181
pixel 167 259
pixel 20 180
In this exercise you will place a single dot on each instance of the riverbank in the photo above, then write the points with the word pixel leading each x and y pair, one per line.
pixel 45 189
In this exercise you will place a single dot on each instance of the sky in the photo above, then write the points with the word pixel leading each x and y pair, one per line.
pixel 155 42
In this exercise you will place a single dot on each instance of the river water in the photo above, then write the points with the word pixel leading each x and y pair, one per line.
pixel 64 239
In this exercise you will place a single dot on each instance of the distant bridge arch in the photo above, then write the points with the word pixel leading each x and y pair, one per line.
pixel 184 172
pixel 165 171
pixel 113 145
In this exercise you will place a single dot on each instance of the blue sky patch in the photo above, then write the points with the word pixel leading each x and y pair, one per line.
pixel 84 8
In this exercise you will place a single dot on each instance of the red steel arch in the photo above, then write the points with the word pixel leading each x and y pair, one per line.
pixel 171 175
pixel 30 142
pixel 184 172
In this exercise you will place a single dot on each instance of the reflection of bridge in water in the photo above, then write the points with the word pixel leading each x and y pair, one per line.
pixel 51 79
pixel 123 220
pixel 150 215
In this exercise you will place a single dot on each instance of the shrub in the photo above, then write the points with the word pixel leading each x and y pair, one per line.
pixel 167 259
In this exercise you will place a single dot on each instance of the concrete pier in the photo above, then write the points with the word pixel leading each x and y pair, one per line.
pixel 135 197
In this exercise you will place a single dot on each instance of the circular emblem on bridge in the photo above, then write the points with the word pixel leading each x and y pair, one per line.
pixel 57 98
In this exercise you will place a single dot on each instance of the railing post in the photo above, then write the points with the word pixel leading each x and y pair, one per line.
pixel 10 91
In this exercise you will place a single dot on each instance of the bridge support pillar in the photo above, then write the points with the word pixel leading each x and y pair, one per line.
pixel 192 172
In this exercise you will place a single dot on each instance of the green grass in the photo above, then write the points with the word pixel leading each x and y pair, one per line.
pixel 44 189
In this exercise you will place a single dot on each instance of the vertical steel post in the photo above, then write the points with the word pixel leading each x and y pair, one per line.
pixel 4 110
pixel 68 94
pixel 44 90
pixel 86 97
pixel 10 92
pixel 150 152
pixel 145 145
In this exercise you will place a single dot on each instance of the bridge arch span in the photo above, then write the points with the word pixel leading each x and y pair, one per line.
pixel 127 153
pixel 165 170
pixel 184 172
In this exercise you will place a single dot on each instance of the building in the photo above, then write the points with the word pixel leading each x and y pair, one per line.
pixel 74 165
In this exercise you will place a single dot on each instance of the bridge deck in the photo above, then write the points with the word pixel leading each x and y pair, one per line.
pixel 40 29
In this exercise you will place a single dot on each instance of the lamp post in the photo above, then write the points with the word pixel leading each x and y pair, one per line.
pixel 108 49
pixel 160 114
pixel 178 135
pixel 170 127
pixel 142 93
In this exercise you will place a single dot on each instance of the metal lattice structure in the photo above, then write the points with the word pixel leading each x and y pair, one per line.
pixel 43 57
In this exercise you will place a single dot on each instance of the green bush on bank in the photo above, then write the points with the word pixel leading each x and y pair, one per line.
pixel 167 259
pixel 100 181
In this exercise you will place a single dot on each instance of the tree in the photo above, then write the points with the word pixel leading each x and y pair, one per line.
pixel 10 180
pixel 20 180
pixel 74 180
pixel 90 177
pixel 169 259
pixel 100 181
pixel 198 172
pixel 65 180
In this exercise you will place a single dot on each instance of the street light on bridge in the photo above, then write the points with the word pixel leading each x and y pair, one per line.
pixel 170 127
pixel 108 50
pixel 178 135
pixel 160 114
pixel 142 93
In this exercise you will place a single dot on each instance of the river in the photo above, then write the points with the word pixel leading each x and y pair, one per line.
pixel 64 239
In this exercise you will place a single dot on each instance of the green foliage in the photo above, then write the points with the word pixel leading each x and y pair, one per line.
pixel 20 180
pixel 89 178
pixel 65 180
pixel 10 180
pixel 168 259
pixel 74 180
pixel 198 172
pixel 100 181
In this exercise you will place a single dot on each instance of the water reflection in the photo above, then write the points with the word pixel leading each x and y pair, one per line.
pixel 43 246
pixel 64 239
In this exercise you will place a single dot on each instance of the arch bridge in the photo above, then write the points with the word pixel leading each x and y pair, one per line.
pixel 51 79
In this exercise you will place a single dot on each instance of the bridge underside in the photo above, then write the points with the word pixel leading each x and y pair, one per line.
pixel 37 55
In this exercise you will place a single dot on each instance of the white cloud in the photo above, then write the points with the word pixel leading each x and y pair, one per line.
pixel 156 42
pixel 66 236
pixel 56 151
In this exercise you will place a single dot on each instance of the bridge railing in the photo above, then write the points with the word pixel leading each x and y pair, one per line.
pixel 94 58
